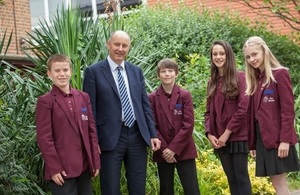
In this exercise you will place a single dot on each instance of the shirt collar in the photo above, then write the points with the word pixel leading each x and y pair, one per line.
pixel 167 94
pixel 62 92
pixel 113 65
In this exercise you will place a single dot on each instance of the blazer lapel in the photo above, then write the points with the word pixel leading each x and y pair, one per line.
pixel 219 107
pixel 64 106
pixel 79 105
pixel 174 101
pixel 260 90
pixel 109 77
pixel 163 103
pixel 131 80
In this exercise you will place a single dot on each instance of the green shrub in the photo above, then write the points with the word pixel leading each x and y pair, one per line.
pixel 213 179
pixel 184 31
pixel 12 173
pixel 15 172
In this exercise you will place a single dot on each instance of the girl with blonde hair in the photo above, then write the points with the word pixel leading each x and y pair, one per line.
pixel 272 137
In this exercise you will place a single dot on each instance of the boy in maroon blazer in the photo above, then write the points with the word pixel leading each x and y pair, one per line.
pixel 174 116
pixel 66 133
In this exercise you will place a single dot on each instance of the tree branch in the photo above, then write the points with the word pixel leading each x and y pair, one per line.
pixel 279 10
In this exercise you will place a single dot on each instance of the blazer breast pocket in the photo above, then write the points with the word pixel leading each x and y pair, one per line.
pixel 84 116
pixel 178 112
pixel 269 99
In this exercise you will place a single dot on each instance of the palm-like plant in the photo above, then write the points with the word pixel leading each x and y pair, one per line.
pixel 71 33
pixel 16 134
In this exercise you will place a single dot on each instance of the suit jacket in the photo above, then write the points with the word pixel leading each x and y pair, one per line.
pixel 273 108
pixel 57 133
pixel 230 113
pixel 174 126
pixel 100 85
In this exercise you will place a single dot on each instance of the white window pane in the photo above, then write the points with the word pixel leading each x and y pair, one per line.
pixel 37 11
pixel 54 5
pixel 37 7
pixel 81 3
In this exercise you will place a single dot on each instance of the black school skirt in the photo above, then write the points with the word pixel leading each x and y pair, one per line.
pixel 233 147
pixel 268 163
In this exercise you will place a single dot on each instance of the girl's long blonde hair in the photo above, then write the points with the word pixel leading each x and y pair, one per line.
pixel 269 62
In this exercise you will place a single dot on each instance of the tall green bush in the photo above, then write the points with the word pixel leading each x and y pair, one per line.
pixel 181 32
pixel 18 148
pixel 12 172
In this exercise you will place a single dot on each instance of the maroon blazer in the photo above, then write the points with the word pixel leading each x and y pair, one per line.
pixel 58 133
pixel 273 108
pixel 230 113
pixel 174 126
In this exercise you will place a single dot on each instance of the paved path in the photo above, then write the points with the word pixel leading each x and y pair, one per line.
pixel 297 192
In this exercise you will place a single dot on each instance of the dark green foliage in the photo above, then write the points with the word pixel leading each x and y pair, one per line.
pixel 16 158
pixel 178 33
pixel 286 52
pixel 17 137
pixel 11 173
pixel 70 34
pixel 22 161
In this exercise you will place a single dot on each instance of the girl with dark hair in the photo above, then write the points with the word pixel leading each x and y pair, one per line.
pixel 225 118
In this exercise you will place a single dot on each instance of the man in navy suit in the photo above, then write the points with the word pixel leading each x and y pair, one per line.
pixel 119 142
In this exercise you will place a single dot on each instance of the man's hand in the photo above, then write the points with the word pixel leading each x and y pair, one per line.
pixel 155 144
pixel 253 153
pixel 95 172
pixel 99 150
pixel 58 178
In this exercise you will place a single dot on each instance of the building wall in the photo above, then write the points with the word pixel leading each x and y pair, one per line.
pixel 236 6
pixel 15 17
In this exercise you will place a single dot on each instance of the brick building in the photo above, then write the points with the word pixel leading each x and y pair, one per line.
pixel 19 16
pixel 237 6
pixel 15 16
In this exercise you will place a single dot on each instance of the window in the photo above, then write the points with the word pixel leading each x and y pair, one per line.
pixel 46 9
pixel 37 11
pixel 101 8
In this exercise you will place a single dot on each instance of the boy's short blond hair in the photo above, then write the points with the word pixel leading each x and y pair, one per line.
pixel 167 63
pixel 58 58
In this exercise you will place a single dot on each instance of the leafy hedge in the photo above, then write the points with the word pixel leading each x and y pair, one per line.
pixel 181 32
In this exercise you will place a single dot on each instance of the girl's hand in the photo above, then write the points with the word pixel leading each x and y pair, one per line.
pixel 224 137
pixel 214 141
pixel 283 149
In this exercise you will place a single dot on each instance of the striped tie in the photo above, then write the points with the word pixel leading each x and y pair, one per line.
pixel 126 106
